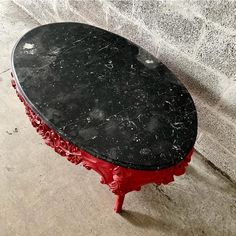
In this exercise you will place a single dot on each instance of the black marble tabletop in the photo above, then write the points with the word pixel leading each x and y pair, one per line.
pixel 105 95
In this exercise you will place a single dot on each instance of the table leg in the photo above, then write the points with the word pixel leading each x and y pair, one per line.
pixel 118 203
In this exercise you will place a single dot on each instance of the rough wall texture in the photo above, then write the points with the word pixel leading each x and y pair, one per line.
pixel 196 39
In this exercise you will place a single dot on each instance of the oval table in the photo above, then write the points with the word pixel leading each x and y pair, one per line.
pixel 99 99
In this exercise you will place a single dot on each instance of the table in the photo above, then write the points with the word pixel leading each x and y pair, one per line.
pixel 99 99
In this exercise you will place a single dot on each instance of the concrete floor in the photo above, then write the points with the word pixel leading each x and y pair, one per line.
pixel 42 194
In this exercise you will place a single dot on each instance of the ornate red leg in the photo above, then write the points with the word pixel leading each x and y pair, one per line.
pixel 118 203
pixel 119 179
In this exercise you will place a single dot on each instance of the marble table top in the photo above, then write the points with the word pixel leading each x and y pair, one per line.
pixel 105 95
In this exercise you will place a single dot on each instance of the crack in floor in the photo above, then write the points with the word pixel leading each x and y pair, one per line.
pixel 5 71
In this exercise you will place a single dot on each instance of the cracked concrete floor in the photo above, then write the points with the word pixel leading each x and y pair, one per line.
pixel 42 194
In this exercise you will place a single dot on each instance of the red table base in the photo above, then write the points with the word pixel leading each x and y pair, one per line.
pixel 120 180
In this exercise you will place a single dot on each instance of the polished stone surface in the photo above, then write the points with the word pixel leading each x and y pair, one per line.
pixel 105 95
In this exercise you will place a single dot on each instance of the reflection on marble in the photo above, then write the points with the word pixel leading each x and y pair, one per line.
pixel 105 95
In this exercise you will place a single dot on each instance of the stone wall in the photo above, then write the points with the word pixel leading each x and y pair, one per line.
pixel 196 39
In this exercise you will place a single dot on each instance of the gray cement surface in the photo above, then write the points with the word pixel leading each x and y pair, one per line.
pixel 43 194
